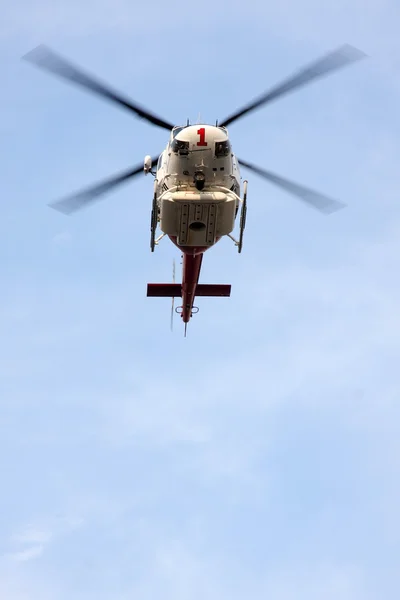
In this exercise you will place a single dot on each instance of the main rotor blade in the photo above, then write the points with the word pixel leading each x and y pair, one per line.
pixel 91 194
pixel 331 62
pixel 322 203
pixel 48 60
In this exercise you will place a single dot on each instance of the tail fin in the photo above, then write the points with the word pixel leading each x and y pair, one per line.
pixel 174 290
pixel 213 289
pixel 164 290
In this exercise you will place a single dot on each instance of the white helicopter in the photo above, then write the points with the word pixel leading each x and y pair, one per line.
pixel 197 181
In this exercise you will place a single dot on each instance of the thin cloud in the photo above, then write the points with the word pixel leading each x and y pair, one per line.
pixel 28 554
pixel 259 457
pixel 62 238
pixel 36 538
pixel 32 534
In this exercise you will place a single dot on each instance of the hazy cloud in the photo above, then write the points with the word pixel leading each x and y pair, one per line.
pixel 258 457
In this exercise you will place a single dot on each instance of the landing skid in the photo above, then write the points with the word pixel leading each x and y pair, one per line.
pixel 243 214
pixel 154 218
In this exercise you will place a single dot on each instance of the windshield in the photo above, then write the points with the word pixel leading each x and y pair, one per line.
pixel 180 146
pixel 222 148
pixel 177 130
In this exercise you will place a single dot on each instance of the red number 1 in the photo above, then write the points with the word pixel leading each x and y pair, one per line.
pixel 202 134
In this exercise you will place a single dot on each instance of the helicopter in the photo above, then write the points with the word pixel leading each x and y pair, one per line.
pixel 197 189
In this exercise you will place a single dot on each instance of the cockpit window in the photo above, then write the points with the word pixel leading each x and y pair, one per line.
pixel 180 146
pixel 177 130
pixel 222 149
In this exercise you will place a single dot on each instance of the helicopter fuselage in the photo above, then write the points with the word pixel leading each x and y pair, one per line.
pixel 195 203
pixel 197 187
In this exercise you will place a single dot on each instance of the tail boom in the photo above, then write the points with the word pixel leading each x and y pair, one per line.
pixel 190 278
pixel 189 288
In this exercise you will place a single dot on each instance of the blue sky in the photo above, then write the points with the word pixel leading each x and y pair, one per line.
pixel 260 456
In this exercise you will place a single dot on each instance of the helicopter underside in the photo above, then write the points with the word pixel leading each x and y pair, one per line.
pixel 190 250
pixel 194 219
